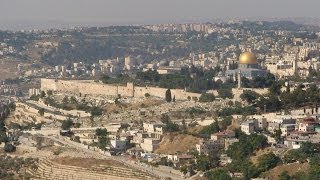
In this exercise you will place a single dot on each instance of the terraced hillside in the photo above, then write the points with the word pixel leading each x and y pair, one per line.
pixel 48 169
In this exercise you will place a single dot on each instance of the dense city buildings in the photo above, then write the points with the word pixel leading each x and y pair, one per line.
pixel 236 99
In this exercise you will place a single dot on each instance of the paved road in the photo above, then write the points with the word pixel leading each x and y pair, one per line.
pixel 140 166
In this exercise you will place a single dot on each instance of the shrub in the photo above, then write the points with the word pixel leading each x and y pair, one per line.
pixel 206 97
pixel 67 124
pixel 9 148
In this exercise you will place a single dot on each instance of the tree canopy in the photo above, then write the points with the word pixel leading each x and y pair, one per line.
pixel 168 95
pixel 206 97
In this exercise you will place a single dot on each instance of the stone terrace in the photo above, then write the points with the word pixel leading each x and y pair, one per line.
pixel 50 170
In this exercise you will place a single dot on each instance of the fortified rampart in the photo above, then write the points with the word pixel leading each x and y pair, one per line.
pixel 95 88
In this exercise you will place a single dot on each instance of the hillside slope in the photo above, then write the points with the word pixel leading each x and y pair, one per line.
pixel 291 168
pixel 173 142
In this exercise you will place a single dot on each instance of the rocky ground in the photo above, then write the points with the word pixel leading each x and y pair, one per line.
pixel 153 111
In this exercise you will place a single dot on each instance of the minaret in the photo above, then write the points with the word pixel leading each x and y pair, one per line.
pixel 228 64
pixel 239 80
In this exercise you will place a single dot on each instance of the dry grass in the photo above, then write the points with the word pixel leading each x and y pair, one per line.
pixel 172 143
pixel 233 127
pixel 254 159
pixel 113 108
pixel 194 130
pixel 85 162
pixel 291 168
pixel 148 102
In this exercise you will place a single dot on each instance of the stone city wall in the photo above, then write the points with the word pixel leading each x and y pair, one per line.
pixel 92 88
pixel 83 87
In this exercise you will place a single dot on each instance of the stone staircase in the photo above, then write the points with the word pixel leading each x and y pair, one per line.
pixel 54 171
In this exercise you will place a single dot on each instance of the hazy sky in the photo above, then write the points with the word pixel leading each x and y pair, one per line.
pixel 47 13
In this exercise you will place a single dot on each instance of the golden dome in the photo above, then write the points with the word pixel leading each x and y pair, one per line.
pixel 247 58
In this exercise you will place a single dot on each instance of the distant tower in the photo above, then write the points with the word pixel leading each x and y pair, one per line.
pixel 228 65
pixel 127 62
pixel 239 80
pixel 263 63
pixel 294 64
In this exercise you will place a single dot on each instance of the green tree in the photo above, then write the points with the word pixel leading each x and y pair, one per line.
pixel 225 93
pixel 3 137
pixel 41 111
pixel 284 176
pixel 2 126
pixel 246 146
pixel 34 97
pixel 206 97
pixel 9 148
pixel 67 124
pixel 73 100
pixel 218 174
pixel 42 94
pixel 277 134
pixel 77 139
pixel 103 139
pixel 206 162
pixel 49 92
pixel 309 148
pixel 101 132
pixel 268 161
pixel 294 155
pixel 195 99
pixel 168 95
pixel 12 106
pixel 96 111
pixel 244 166
pixel 165 119
pixel 210 129
pixel 171 127
pixel 65 100
pixel 249 96
pixel 314 170
pixel 275 88
pixel 125 126
pixel 299 175
pixel 184 169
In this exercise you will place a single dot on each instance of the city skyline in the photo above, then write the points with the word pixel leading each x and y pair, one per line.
pixel 18 14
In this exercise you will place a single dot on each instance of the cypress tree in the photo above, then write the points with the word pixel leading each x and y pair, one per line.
pixel 168 96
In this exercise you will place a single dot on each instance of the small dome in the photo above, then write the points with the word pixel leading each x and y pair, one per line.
pixel 247 58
